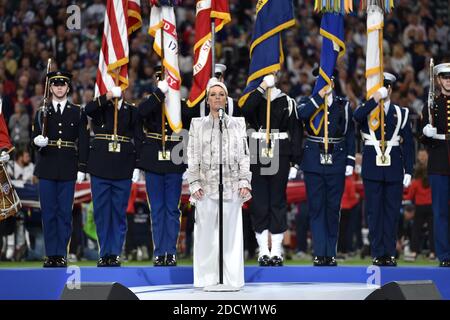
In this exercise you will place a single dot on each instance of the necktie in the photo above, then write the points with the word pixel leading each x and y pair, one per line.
pixel 58 106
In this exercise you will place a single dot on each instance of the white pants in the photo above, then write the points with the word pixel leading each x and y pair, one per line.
pixel 206 243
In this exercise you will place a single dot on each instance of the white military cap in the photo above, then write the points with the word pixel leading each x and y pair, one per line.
pixel 389 77
pixel 442 68
pixel 220 68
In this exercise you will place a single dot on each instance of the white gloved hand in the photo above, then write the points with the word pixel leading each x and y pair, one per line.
pixel 383 92
pixel 269 80
pixel 116 92
pixel 4 157
pixel 163 86
pixel 41 141
pixel 406 180
pixel 429 131
pixel 81 176
pixel 136 175
pixel 348 171
pixel 292 173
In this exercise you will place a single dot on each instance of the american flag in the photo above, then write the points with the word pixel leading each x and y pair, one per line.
pixel 122 17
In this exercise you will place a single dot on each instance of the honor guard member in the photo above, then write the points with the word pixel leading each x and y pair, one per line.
pixel 271 165
pixel 328 157
pixel 110 164
pixel 386 168
pixel 437 140
pixel 58 135
pixel 163 178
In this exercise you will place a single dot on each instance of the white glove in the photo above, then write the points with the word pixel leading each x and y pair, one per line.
pixel 383 92
pixel 163 86
pixel 269 80
pixel 4 157
pixel 406 180
pixel 348 171
pixel 292 173
pixel 41 141
pixel 81 176
pixel 116 92
pixel 429 131
pixel 136 175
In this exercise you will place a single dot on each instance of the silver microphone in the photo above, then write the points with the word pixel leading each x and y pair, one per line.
pixel 221 113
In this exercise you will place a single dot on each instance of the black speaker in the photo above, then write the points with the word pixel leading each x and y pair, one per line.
pixel 406 290
pixel 98 291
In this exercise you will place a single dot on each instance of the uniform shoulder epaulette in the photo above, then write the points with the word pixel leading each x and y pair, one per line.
pixel 342 101
pixel 76 105
pixel 131 104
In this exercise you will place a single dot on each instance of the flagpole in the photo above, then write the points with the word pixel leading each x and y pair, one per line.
pixel 383 144
pixel 268 107
pixel 325 128
pixel 116 110
pixel 213 46
pixel 163 105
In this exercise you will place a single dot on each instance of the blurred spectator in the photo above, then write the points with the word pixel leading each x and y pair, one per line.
pixel 23 168
pixel 19 126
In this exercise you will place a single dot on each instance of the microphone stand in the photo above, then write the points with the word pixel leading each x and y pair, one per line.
pixel 220 287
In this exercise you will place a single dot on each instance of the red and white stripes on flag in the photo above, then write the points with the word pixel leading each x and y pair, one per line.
pixel 164 17
pixel 121 18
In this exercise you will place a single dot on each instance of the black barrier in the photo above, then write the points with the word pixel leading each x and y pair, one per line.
pixel 98 291
pixel 406 290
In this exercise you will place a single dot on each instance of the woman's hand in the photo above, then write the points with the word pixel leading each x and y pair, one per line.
pixel 198 195
pixel 243 192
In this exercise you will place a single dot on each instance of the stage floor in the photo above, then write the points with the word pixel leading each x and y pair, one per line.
pixel 260 291
pixel 323 282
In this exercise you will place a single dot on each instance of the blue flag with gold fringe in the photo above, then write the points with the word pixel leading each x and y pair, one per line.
pixel 266 52
pixel 333 47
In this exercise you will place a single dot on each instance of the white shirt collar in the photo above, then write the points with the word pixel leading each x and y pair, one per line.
pixel 62 103
pixel 387 104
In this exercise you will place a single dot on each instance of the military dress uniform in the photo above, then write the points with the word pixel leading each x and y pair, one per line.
pixel 269 205
pixel 325 178
pixel 56 167
pixel 163 179
pixel 383 184
pixel 438 147
pixel 111 171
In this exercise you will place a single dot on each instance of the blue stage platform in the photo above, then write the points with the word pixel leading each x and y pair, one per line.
pixel 27 283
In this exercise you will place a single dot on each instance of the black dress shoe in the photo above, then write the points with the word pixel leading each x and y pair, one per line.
pixel 113 261
pixel 444 264
pixel 158 261
pixel 50 262
pixel 264 261
pixel 61 262
pixel 378 261
pixel 171 260
pixel 331 261
pixel 276 261
pixel 102 262
pixel 390 261
pixel 319 261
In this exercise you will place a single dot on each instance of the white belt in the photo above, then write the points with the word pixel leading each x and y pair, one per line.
pixel 389 143
pixel 395 142
pixel 273 136
pixel 440 136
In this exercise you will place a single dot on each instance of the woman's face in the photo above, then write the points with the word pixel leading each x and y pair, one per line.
pixel 217 98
